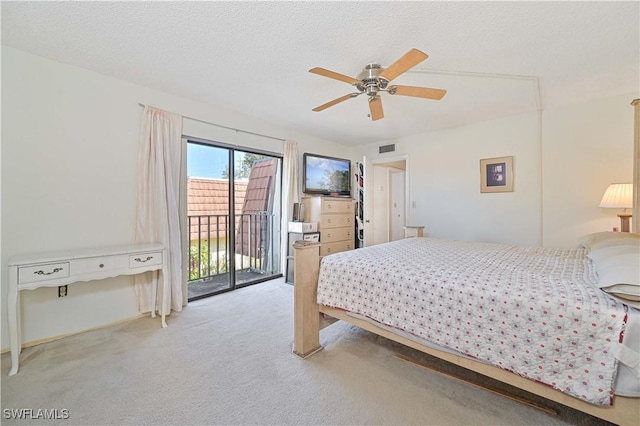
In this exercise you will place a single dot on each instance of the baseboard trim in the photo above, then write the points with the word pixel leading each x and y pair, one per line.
pixel 62 336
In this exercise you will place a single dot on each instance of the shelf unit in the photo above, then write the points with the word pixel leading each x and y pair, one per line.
pixel 292 237
pixel 359 197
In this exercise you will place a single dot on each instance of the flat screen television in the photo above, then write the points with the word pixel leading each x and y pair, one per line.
pixel 322 175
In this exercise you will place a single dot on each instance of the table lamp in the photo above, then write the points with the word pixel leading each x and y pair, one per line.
pixel 619 196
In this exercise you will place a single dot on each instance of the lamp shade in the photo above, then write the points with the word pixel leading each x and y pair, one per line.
pixel 618 196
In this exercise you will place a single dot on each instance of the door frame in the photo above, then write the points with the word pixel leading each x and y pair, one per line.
pixel 369 212
pixel 231 148
pixel 402 183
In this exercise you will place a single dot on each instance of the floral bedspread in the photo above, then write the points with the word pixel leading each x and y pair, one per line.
pixel 534 311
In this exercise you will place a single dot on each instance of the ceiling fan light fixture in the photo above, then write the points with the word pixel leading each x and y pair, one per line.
pixel 372 90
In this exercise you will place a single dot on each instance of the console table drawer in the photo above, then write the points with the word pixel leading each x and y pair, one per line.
pixel 145 259
pixel 97 264
pixel 34 274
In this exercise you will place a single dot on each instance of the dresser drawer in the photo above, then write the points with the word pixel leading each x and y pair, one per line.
pixel 331 248
pixel 33 274
pixel 337 234
pixel 145 259
pixel 337 206
pixel 336 221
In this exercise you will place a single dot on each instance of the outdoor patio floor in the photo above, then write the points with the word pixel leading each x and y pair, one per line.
pixel 206 286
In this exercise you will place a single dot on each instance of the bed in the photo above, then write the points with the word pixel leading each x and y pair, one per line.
pixel 559 323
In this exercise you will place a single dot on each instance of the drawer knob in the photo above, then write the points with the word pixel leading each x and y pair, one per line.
pixel 101 265
pixel 329 235
pixel 137 259
pixel 41 272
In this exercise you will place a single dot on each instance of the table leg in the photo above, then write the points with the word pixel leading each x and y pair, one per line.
pixel 154 293
pixel 164 308
pixel 19 323
pixel 14 327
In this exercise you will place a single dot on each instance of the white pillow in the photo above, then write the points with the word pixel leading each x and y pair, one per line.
pixel 587 241
pixel 632 242
pixel 629 295
pixel 619 254
pixel 624 291
pixel 618 269
pixel 625 277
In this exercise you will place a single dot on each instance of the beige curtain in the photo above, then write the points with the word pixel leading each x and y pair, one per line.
pixel 291 194
pixel 635 226
pixel 157 212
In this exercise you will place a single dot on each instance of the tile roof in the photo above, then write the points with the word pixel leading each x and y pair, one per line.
pixel 253 233
pixel 210 198
pixel 208 207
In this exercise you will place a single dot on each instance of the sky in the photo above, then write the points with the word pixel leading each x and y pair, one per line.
pixel 206 161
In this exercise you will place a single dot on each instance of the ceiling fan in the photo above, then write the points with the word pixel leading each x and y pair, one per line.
pixel 374 79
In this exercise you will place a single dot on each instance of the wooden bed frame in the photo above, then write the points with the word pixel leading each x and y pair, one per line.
pixel 309 319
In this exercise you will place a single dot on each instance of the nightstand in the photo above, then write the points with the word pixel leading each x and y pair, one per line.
pixel 413 231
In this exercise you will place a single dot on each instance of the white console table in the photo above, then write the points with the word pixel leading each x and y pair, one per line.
pixel 29 272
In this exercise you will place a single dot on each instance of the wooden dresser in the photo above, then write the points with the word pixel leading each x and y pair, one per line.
pixel 335 218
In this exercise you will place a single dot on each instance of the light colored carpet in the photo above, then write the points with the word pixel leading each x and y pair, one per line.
pixel 227 360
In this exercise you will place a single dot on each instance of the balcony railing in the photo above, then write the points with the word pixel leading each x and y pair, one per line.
pixel 254 249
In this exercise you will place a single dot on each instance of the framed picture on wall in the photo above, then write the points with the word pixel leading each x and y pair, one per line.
pixel 496 174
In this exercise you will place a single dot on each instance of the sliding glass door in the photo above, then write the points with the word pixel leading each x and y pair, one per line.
pixel 233 210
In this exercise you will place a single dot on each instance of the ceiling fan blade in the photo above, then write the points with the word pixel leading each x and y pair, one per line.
pixel 375 106
pixel 402 65
pixel 326 73
pixel 335 101
pixel 418 92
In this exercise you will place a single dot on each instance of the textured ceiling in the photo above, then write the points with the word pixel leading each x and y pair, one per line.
pixel 254 57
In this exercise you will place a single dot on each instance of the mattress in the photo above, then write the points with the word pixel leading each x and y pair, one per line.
pixel 534 311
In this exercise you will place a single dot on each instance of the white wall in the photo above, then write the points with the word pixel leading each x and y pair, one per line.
pixel 69 144
pixel 561 169
pixel 587 146
pixel 444 181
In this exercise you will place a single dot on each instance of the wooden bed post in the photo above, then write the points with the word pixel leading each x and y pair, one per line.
pixel 306 322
